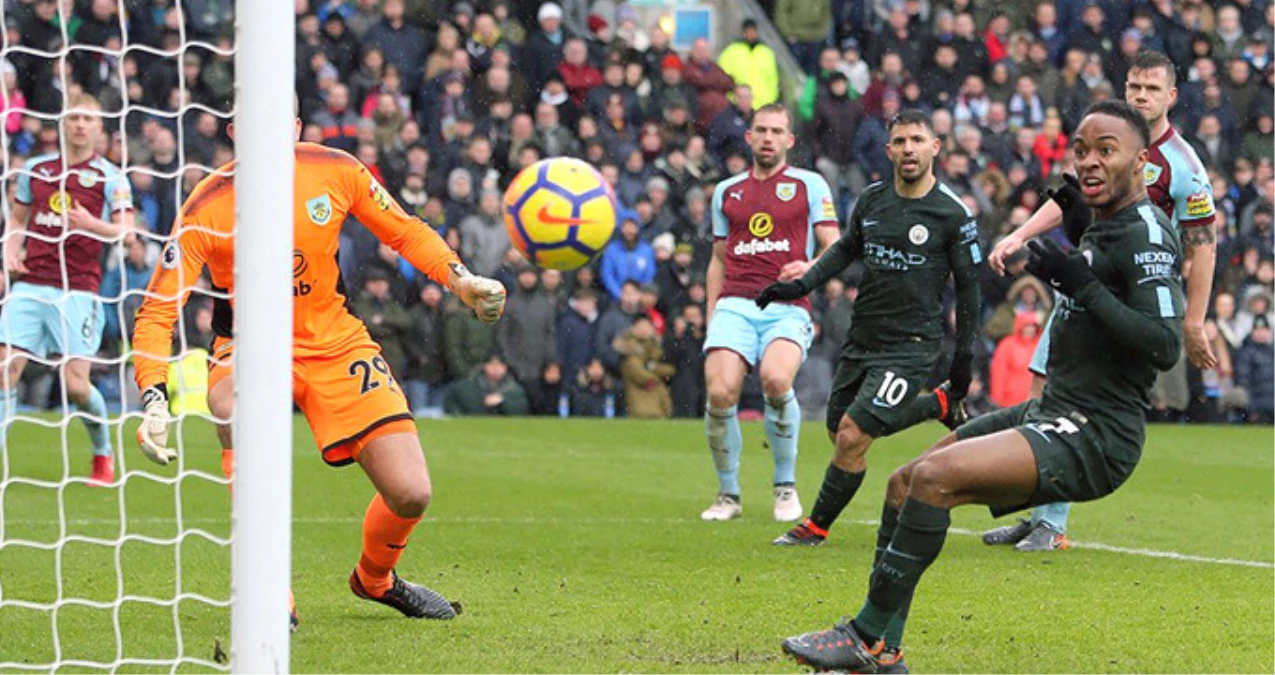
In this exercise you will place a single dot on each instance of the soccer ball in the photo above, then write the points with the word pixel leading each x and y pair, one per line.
pixel 560 213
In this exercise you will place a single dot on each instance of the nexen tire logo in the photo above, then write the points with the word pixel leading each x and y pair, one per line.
pixel 756 246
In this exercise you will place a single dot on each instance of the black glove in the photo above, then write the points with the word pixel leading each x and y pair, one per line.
pixel 782 291
pixel 1066 272
pixel 1076 213
pixel 959 375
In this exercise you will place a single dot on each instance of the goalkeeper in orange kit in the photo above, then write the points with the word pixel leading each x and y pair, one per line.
pixel 339 379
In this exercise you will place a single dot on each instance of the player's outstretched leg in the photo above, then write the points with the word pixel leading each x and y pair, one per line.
pixel 86 398
pixel 724 373
pixel 396 466
pixel 779 366
pixel 998 469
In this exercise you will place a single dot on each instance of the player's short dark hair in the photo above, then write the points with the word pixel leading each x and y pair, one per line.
pixel 1149 59
pixel 1126 112
pixel 911 116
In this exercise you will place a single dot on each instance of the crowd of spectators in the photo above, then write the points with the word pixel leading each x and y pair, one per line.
pixel 446 101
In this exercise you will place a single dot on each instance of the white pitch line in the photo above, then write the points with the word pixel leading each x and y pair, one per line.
pixel 553 520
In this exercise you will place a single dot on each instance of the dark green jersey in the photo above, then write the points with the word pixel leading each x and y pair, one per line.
pixel 1108 342
pixel 908 247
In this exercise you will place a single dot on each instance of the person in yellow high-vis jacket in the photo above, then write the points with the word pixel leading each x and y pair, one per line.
pixel 750 62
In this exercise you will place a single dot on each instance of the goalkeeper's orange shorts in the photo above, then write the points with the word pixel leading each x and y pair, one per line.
pixel 349 398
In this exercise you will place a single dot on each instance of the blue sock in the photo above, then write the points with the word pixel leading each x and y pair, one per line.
pixel 1054 514
pixel 783 426
pixel 726 441
pixel 99 432
pixel 8 409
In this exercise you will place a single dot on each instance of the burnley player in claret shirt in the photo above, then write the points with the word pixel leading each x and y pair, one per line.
pixel 767 221
pixel 66 209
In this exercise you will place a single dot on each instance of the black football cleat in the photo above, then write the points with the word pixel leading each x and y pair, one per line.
pixel 837 649
pixel 1008 535
pixel 953 412
pixel 806 533
pixel 414 601
pixel 891 661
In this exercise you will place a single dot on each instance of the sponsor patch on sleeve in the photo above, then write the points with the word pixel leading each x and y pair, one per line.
pixel 1199 204
pixel 829 211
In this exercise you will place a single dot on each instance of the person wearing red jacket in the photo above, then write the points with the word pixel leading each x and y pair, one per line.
pixel 1011 378
pixel 579 76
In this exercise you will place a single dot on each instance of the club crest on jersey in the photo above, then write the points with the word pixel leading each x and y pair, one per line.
pixel 171 255
pixel 88 179
pixel 786 191
pixel 60 202
pixel 1151 173
pixel 760 225
pixel 918 234
pixel 320 209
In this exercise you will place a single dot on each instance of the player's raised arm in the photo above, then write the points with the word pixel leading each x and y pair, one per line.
pixel 421 245
pixel 1150 324
pixel 179 266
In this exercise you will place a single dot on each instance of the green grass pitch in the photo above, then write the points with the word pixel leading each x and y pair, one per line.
pixel 576 547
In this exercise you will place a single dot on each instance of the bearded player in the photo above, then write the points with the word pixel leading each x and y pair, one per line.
pixel 356 409
pixel 1120 323
pixel 67 207
pixel 911 233
pixel 764 220
pixel 1178 184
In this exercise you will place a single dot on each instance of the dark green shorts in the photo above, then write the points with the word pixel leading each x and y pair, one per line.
pixel 1071 464
pixel 876 390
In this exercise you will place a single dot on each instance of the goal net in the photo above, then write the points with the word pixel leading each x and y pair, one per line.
pixel 112 110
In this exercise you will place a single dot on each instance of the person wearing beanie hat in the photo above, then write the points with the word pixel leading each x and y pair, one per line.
pixel 543 50
pixel 550 11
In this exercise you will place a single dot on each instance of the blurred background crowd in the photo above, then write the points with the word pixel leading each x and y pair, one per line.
pixel 445 101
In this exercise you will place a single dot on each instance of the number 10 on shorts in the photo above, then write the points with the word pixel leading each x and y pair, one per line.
pixel 892 391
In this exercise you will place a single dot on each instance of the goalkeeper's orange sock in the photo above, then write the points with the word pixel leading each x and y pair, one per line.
pixel 384 538
pixel 228 467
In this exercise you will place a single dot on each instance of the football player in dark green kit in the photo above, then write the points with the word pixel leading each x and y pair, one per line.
pixel 1121 322
pixel 911 233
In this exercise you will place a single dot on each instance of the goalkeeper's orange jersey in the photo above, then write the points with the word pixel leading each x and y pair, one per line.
pixel 329 185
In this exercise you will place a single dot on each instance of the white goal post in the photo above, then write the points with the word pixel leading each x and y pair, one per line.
pixel 103 576
pixel 261 545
